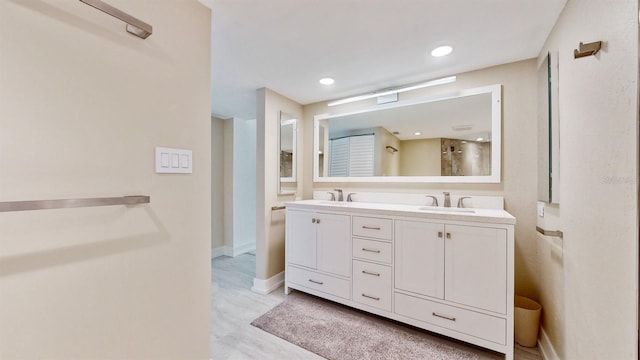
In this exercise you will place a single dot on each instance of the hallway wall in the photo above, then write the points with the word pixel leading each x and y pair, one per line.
pixel 83 104
pixel 589 280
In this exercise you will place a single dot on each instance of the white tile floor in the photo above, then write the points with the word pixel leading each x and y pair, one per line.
pixel 234 306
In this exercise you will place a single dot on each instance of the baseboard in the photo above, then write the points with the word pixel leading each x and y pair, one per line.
pixel 546 347
pixel 218 251
pixel 232 251
pixel 243 248
pixel 266 286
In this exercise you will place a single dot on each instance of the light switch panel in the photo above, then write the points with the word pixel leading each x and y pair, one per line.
pixel 174 161
pixel 540 209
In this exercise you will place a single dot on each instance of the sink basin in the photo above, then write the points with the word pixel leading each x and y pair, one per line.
pixel 449 210
pixel 334 203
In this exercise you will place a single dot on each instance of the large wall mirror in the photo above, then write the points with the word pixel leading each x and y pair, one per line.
pixel 548 131
pixel 287 156
pixel 449 138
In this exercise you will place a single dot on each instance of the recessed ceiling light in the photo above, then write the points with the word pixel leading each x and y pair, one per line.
pixel 326 81
pixel 441 51
pixel 417 133
pixel 479 139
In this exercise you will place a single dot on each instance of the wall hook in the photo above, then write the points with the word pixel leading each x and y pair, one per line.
pixel 587 49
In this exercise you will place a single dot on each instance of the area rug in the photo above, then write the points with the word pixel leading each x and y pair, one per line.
pixel 337 332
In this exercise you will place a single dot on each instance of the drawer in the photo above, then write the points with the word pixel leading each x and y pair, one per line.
pixel 379 228
pixel 372 284
pixel 372 250
pixel 483 326
pixel 321 282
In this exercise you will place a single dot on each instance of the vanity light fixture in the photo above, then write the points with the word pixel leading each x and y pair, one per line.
pixel 441 51
pixel 326 81
pixel 417 133
pixel 441 81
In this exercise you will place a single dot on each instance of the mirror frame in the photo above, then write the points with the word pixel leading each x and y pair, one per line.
pixel 294 150
pixel 496 140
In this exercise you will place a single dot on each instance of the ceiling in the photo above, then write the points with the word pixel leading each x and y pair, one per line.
pixel 365 45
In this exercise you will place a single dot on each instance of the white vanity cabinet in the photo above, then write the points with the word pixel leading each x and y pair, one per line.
pixel 319 249
pixel 458 263
pixel 444 271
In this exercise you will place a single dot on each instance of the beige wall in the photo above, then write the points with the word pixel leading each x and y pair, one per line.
pixel 270 225
pixel 228 185
pixel 217 182
pixel 518 158
pixel 589 282
pixel 82 106
pixel 421 157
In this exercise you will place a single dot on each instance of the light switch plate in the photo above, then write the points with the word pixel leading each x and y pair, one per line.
pixel 540 209
pixel 174 161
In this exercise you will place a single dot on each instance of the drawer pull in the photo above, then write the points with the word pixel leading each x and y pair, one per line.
pixel 316 282
pixel 370 250
pixel 370 228
pixel 370 273
pixel 371 297
pixel 444 317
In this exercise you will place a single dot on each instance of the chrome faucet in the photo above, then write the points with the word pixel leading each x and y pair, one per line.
pixel 447 199
pixel 461 203
pixel 333 196
pixel 340 198
pixel 435 200
pixel 349 199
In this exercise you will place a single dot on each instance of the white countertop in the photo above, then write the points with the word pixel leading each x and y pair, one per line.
pixel 465 214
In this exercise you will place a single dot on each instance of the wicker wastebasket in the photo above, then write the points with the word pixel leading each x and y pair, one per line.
pixel 526 321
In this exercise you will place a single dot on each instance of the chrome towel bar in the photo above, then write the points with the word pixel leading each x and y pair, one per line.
pixel 135 26
pixel 275 208
pixel 7 206
pixel 556 233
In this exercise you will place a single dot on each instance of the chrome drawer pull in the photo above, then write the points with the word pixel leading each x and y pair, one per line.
pixel 370 273
pixel 316 282
pixel 373 251
pixel 370 228
pixel 371 297
pixel 444 317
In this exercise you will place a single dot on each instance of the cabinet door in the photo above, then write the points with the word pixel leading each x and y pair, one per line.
pixel 334 243
pixel 476 267
pixel 301 238
pixel 419 257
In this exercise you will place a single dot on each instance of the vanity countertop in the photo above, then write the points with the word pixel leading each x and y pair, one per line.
pixel 456 214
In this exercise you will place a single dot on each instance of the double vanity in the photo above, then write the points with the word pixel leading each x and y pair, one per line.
pixel 446 270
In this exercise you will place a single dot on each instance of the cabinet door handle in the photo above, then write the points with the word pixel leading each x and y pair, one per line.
pixel 370 227
pixel 448 235
pixel 443 316
pixel 317 221
pixel 313 220
pixel 370 250
pixel 439 234
pixel 370 273
pixel 371 297
pixel 316 282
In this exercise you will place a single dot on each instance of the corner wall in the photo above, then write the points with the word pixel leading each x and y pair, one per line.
pixel 589 281
pixel 270 224
pixel 83 104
